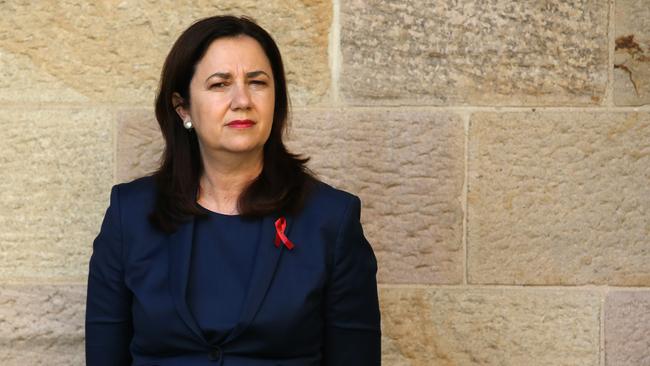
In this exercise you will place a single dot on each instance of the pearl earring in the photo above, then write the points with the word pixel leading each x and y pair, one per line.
pixel 188 124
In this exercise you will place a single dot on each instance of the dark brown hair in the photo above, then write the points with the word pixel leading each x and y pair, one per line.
pixel 284 181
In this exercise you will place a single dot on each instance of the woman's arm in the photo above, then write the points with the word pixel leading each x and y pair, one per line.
pixel 352 320
pixel 108 302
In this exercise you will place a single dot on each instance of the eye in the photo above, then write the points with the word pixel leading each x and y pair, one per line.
pixel 218 85
pixel 258 82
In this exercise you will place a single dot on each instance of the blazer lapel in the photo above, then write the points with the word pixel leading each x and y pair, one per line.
pixel 266 262
pixel 180 252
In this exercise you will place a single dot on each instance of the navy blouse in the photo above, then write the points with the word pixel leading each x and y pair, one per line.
pixel 223 253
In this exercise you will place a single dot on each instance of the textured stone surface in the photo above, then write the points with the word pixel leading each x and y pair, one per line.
pixel 474 52
pixel 23 80
pixel 57 167
pixel 469 326
pixel 559 198
pixel 139 144
pixel 408 169
pixel 632 52
pixel 409 179
pixel 42 325
pixel 113 51
pixel 627 328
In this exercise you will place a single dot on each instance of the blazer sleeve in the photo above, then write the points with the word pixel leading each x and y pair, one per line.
pixel 352 318
pixel 108 301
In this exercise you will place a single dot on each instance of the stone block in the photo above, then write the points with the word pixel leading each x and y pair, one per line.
pixel 42 324
pixel 478 326
pixel 57 169
pixel 559 198
pixel 474 52
pixel 627 328
pixel 408 169
pixel 139 144
pixel 113 52
pixel 632 52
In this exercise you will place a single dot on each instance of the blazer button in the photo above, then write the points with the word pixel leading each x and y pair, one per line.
pixel 215 354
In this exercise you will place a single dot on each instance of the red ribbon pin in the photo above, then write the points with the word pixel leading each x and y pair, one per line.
pixel 280 237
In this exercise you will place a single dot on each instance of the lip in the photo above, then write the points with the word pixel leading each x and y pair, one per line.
pixel 240 123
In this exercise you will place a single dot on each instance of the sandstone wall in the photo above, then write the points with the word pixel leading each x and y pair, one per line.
pixel 501 150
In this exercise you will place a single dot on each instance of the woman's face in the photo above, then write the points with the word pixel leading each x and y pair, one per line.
pixel 232 97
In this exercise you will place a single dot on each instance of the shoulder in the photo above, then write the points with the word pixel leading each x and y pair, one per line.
pixel 132 203
pixel 322 191
pixel 138 188
pixel 135 195
pixel 326 200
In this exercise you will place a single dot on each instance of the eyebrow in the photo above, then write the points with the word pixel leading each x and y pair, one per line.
pixel 227 75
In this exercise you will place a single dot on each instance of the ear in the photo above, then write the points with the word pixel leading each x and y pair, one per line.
pixel 179 105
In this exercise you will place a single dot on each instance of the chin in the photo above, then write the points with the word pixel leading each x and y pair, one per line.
pixel 243 148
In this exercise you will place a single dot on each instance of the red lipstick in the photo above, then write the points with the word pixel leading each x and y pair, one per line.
pixel 240 123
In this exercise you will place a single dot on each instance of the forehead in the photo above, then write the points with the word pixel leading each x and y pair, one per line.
pixel 233 54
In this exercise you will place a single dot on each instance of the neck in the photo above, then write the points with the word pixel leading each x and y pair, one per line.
pixel 225 176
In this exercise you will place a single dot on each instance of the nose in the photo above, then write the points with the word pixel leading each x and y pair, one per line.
pixel 240 97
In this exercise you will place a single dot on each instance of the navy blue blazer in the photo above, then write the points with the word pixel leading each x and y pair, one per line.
pixel 313 305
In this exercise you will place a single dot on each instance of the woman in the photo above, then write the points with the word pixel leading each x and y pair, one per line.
pixel 232 253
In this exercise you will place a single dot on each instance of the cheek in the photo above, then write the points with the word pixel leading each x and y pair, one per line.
pixel 208 112
pixel 271 103
pixel 266 106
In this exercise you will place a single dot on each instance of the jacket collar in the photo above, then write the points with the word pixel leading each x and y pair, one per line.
pixel 265 264
pixel 180 253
